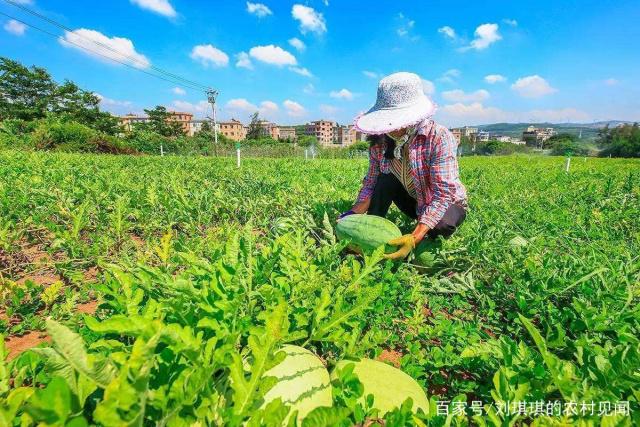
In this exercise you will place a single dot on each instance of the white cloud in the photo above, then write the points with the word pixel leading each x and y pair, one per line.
pixel 428 87
pixel 240 107
pixel 485 35
pixel 297 44
pixel 258 9
pixel 82 39
pixel 447 31
pixel 342 94
pixel 302 71
pixel 243 61
pixel 371 74
pixel 14 27
pixel 178 91
pixel 199 108
pixel 532 87
pixel 460 114
pixel 450 75
pixel 207 55
pixel 328 111
pixel 459 95
pixel 309 19
pixel 309 89
pixel 494 78
pixel 405 28
pixel 268 109
pixel 272 54
pixel 294 109
pixel 611 81
pixel 161 7
pixel 114 106
pixel 510 22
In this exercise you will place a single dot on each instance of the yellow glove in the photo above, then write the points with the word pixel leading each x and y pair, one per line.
pixel 405 243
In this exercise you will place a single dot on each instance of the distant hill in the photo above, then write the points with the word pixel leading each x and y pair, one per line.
pixel 589 130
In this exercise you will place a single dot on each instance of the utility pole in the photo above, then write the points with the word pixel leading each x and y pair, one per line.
pixel 212 94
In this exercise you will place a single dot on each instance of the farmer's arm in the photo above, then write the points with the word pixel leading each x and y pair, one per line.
pixel 368 183
pixel 441 168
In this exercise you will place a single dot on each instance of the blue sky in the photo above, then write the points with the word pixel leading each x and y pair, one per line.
pixel 294 61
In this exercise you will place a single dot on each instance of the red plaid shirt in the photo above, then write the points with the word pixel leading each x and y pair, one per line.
pixel 434 169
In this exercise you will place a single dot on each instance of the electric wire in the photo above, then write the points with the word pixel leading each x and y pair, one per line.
pixel 176 78
pixel 100 54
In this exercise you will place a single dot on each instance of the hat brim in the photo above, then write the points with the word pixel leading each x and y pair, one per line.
pixel 379 121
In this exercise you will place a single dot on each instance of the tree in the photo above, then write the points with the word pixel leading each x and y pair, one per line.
pixel 307 141
pixel 31 94
pixel 25 94
pixel 254 131
pixel 560 139
pixel 161 123
pixel 621 141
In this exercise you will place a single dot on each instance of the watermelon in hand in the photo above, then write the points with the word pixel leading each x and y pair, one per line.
pixel 366 233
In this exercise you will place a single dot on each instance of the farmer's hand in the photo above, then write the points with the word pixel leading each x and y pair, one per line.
pixel 405 245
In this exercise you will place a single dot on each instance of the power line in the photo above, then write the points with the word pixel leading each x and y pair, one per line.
pixel 193 84
pixel 100 54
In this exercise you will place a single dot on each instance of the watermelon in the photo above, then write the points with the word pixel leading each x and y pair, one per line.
pixel 389 386
pixel 303 382
pixel 367 232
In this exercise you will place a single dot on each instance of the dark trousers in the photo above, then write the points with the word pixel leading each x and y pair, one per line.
pixel 389 189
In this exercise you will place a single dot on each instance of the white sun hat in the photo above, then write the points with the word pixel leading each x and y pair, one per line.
pixel 400 103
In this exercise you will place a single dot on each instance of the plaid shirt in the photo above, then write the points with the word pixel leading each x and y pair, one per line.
pixel 434 169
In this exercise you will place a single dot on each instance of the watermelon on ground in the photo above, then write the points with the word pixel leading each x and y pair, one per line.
pixel 367 232
pixel 303 382
pixel 389 386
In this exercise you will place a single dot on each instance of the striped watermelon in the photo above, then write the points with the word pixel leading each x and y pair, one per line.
pixel 303 382
pixel 367 232
pixel 389 386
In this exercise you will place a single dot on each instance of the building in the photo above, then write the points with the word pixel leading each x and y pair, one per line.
pixel 269 129
pixel 344 135
pixel 360 136
pixel 457 134
pixel 195 126
pixel 288 133
pixel 502 138
pixel 482 136
pixel 322 130
pixel 127 122
pixel 233 129
pixel 184 119
pixel 535 137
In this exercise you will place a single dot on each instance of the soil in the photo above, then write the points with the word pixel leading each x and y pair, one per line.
pixel 390 356
pixel 87 307
pixel 17 344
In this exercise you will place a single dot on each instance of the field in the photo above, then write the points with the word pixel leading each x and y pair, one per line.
pixel 172 282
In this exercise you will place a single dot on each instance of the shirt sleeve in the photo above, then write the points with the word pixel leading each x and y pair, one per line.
pixel 442 171
pixel 369 181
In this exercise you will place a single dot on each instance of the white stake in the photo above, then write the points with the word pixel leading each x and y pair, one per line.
pixel 306 154
pixel 238 157
pixel 161 150
pixel 567 164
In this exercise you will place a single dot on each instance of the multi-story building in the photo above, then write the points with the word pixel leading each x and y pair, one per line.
pixel 127 122
pixel 288 133
pixel 535 137
pixel 322 130
pixel 457 134
pixel 482 136
pixel 184 119
pixel 360 136
pixel 195 126
pixel 233 130
pixel 269 129
pixel 344 135
pixel 502 138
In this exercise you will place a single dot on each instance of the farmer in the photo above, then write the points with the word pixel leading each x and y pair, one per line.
pixel 412 163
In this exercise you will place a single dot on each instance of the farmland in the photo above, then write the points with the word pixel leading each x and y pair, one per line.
pixel 161 273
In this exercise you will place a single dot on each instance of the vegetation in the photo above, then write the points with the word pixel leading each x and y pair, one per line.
pixel 621 141
pixel 173 282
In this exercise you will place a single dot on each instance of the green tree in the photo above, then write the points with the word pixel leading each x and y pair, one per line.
pixel 621 141
pixel 307 141
pixel 254 132
pixel 25 93
pixel 160 122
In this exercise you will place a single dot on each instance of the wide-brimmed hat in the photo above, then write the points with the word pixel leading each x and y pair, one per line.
pixel 401 102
